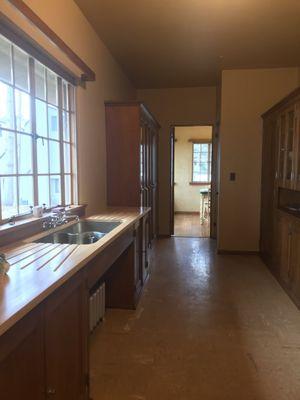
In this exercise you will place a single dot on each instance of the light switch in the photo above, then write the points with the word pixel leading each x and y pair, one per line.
pixel 232 176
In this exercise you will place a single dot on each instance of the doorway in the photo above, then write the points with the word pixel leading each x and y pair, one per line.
pixel 191 176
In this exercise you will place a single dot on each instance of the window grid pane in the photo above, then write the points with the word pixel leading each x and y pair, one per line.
pixel 36 145
pixel 6 58
pixel 201 162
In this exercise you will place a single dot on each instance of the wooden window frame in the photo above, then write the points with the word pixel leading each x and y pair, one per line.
pixel 87 73
pixel 70 112
pixel 201 141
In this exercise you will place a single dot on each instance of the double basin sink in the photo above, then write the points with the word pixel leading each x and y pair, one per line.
pixel 83 232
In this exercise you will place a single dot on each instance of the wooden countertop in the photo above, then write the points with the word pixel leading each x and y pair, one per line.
pixel 37 269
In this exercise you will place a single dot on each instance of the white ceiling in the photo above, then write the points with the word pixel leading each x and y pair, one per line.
pixel 180 43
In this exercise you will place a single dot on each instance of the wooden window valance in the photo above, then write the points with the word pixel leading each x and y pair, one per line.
pixel 23 40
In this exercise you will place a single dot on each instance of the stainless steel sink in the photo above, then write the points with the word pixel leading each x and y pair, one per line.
pixel 84 232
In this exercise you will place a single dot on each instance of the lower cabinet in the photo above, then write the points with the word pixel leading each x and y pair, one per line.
pixel 287 257
pixel 22 366
pixel 45 355
pixel 283 248
pixel 66 341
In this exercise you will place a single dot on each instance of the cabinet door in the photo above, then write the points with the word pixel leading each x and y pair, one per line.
pixel 297 145
pixel 290 149
pixel 268 189
pixel 142 164
pixel 22 360
pixel 66 342
pixel 284 233
pixel 138 267
pixel 281 129
pixel 154 182
pixel 287 148
pixel 145 247
pixel 294 270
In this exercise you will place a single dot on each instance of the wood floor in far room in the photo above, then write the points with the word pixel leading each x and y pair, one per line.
pixel 208 327
pixel 190 225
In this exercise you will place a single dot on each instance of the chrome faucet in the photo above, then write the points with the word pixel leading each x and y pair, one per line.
pixel 49 223
pixel 60 218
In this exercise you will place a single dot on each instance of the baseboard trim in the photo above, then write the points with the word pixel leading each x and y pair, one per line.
pixel 187 212
pixel 163 236
pixel 238 252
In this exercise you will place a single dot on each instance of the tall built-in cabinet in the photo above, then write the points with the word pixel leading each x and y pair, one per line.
pixel 280 193
pixel 132 163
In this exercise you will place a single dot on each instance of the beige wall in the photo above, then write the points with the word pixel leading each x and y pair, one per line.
pixel 246 94
pixel 175 107
pixel 186 196
pixel 65 18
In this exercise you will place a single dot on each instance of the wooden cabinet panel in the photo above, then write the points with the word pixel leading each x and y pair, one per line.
pixel 268 190
pixel 100 264
pixel 284 235
pixel 145 248
pixel 22 360
pixel 287 151
pixel 66 330
pixel 123 155
pixel 120 289
pixel 280 193
pixel 132 140
pixel 294 262
pixel 138 270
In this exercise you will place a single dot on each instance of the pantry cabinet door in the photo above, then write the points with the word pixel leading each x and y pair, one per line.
pixel 287 148
pixel 22 360
pixel 297 144
pixel 294 271
pixel 66 342
pixel 283 249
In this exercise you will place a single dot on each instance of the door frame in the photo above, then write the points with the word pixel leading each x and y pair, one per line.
pixel 214 174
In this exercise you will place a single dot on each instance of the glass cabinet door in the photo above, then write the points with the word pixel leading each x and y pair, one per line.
pixel 297 140
pixel 281 153
pixel 142 164
pixel 289 147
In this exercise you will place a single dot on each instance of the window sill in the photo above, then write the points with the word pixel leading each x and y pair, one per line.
pixel 29 226
pixel 200 183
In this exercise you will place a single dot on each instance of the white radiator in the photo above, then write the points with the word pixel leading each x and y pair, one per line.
pixel 97 306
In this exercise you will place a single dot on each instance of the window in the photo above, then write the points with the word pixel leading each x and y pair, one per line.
pixel 201 163
pixel 37 134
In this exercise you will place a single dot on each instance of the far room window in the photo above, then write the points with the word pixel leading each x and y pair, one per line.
pixel 201 162
pixel 37 134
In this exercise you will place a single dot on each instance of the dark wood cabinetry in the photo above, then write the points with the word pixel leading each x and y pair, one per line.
pixel 45 355
pixel 132 142
pixel 280 195
pixel 268 189
pixel 66 341
pixel 22 372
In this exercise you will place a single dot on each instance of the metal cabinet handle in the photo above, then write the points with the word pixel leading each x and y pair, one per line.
pixel 51 392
